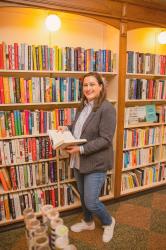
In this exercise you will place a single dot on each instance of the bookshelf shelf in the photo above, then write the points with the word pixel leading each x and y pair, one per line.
pixel 43 106
pixel 140 166
pixel 145 187
pixel 143 146
pixel 29 73
pixel 145 76
pixel 129 103
pixel 107 197
pixel 144 124
pixel 29 162
pixel 67 181
pixel 32 106
pixel 69 207
pixel 22 136
pixel 29 188
pixel 33 162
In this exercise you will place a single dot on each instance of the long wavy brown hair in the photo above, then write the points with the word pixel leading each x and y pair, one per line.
pixel 98 101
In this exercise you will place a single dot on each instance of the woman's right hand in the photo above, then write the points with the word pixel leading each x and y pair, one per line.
pixel 62 128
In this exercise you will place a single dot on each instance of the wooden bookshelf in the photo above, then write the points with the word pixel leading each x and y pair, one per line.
pixel 112 86
pixel 148 171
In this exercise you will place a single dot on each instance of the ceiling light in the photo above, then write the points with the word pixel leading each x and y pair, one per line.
pixel 162 37
pixel 53 23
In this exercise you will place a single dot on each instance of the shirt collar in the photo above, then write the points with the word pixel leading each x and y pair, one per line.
pixel 91 103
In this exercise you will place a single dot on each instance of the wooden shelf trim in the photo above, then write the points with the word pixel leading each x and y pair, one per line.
pixel 140 166
pixel 67 181
pixel 50 73
pixel 137 189
pixel 30 162
pixel 145 76
pixel 29 188
pixel 107 197
pixel 130 103
pixel 143 124
pixel 142 146
pixel 22 136
pixel 46 105
pixel 34 162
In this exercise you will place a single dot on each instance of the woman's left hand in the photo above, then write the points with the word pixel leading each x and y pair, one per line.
pixel 72 149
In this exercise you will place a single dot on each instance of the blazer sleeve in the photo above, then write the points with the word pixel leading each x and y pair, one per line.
pixel 107 127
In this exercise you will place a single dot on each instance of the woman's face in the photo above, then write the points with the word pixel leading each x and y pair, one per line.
pixel 91 88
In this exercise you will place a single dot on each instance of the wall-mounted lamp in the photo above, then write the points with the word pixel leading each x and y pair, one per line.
pixel 162 37
pixel 53 23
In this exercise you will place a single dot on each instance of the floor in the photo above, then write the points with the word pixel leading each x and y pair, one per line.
pixel 140 225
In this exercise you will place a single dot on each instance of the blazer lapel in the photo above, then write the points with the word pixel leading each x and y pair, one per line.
pixel 87 121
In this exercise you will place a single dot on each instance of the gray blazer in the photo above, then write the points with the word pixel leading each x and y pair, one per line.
pixel 98 129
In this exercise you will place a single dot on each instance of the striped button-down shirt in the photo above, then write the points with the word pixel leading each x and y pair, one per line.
pixel 75 158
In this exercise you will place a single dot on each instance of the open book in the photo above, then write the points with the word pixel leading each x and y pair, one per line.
pixel 63 139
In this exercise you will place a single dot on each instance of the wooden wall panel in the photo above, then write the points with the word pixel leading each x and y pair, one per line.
pixel 103 10
pixel 146 15
pixel 106 8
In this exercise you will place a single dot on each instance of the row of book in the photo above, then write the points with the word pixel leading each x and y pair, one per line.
pixel 33 175
pixel 41 57
pixel 146 63
pixel 39 90
pixel 24 150
pixel 143 176
pixel 138 137
pixel 27 122
pixel 26 176
pixel 146 113
pixel 13 204
pixel 142 156
pixel 142 89
pixel 65 172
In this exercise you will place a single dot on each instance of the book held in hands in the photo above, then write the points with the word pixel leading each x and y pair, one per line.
pixel 63 139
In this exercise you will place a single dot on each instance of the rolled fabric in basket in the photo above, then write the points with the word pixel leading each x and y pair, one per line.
pixel 56 222
pixel 31 228
pixel 44 211
pixel 52 215
pixel 29 217
pixel 27 211
pixel 62 239
pixel 53 226
pixel 41 231
pixel 41 241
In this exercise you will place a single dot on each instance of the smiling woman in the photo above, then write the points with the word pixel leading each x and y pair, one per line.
pixel 95 121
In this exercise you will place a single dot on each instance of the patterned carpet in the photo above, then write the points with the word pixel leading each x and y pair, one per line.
pixel 140 225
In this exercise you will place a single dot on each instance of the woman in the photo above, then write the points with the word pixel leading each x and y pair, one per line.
pixel 95 121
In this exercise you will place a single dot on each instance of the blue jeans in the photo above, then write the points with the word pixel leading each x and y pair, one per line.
pixel 89 186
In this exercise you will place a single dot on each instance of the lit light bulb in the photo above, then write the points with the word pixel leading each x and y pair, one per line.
pixel 53 23
pixel 162 37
